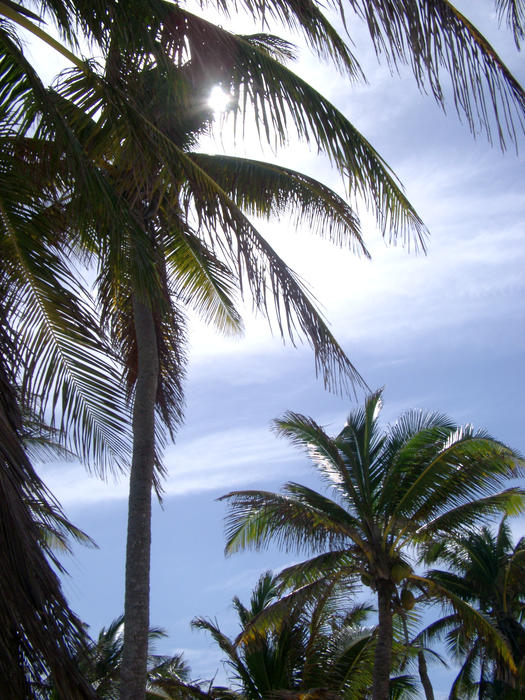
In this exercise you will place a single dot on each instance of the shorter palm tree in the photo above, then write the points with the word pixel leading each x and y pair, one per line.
pixel 290 646
pixel 420 480
pixel 486 570
pixel 100 663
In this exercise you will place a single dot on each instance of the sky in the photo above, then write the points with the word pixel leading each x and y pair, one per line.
pixel 443 331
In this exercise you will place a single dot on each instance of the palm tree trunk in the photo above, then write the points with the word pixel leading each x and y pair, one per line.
pixel 136 606
pixel 383 656
pixel 423 675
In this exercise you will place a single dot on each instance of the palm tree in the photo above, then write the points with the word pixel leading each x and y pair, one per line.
pixel 486 570
pixel 199 272
pixel 290 647
pixel 151 268
pixel 100 662
pixel 422 479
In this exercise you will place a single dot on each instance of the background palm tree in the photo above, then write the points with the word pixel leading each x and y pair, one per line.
pixel 100 662
pixel 486 570
pixel 290 647
pixel 310 642
pixel 422 479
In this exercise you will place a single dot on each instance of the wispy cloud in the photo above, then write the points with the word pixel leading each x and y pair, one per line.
pixel 220 460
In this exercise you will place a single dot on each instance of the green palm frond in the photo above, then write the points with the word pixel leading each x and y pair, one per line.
pixel 56 530
pixel 58 336
pixel 468 515
pixel 202 281
pixel 277 613
pixel 475 621
pixel 305 17
pixel 404 688
pixel 319 567
pixel 352 653
pixel 22 18
pixel 453 467
pixel 41 635
pixel 305 433
pixel 229 648
pixel 280 49
pixel 257 517
pixel 360 444
pixel 266 590
pixel 432 36
pixel 464 684
pixel 513 11
pixel 268 189
pixel 335 516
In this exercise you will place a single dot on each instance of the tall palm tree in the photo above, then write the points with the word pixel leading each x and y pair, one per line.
pixel 422 479
pixel 486 570
pixel 200 275
pixel 150 268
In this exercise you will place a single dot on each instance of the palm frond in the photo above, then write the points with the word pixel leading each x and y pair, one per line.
pixel 40 635
pixel 268 189
pixel 513 11
pixel 280 611
pixel 22 18
pixel 202 281
pixel 229 648
pixel 304 17
pixel 280 49
pixel 459 466
pixel 475 620
pixel 257 517
pixel 432 36
pixel 467 515
pixel 319 567
pixel 352 655
pixel 329 510
pixel 65 368
pixel 305 433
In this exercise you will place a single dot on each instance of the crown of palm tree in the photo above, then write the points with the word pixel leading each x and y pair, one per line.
pixel 421 480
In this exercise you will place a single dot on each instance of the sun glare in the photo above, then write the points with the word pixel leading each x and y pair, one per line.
pixel 218 100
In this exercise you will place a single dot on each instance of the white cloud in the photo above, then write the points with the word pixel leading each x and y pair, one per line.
pixel 220 460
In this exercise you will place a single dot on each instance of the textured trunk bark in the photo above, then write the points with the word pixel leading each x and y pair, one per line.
pixel 136 606
pixel 423 675
pixel 383 656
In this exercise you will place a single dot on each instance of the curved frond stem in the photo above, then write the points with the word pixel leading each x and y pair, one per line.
pixel 9 11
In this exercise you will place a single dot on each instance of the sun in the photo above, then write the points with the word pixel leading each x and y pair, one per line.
pixel 219 101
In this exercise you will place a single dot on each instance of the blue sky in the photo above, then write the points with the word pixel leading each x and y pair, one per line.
pixel 443 331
